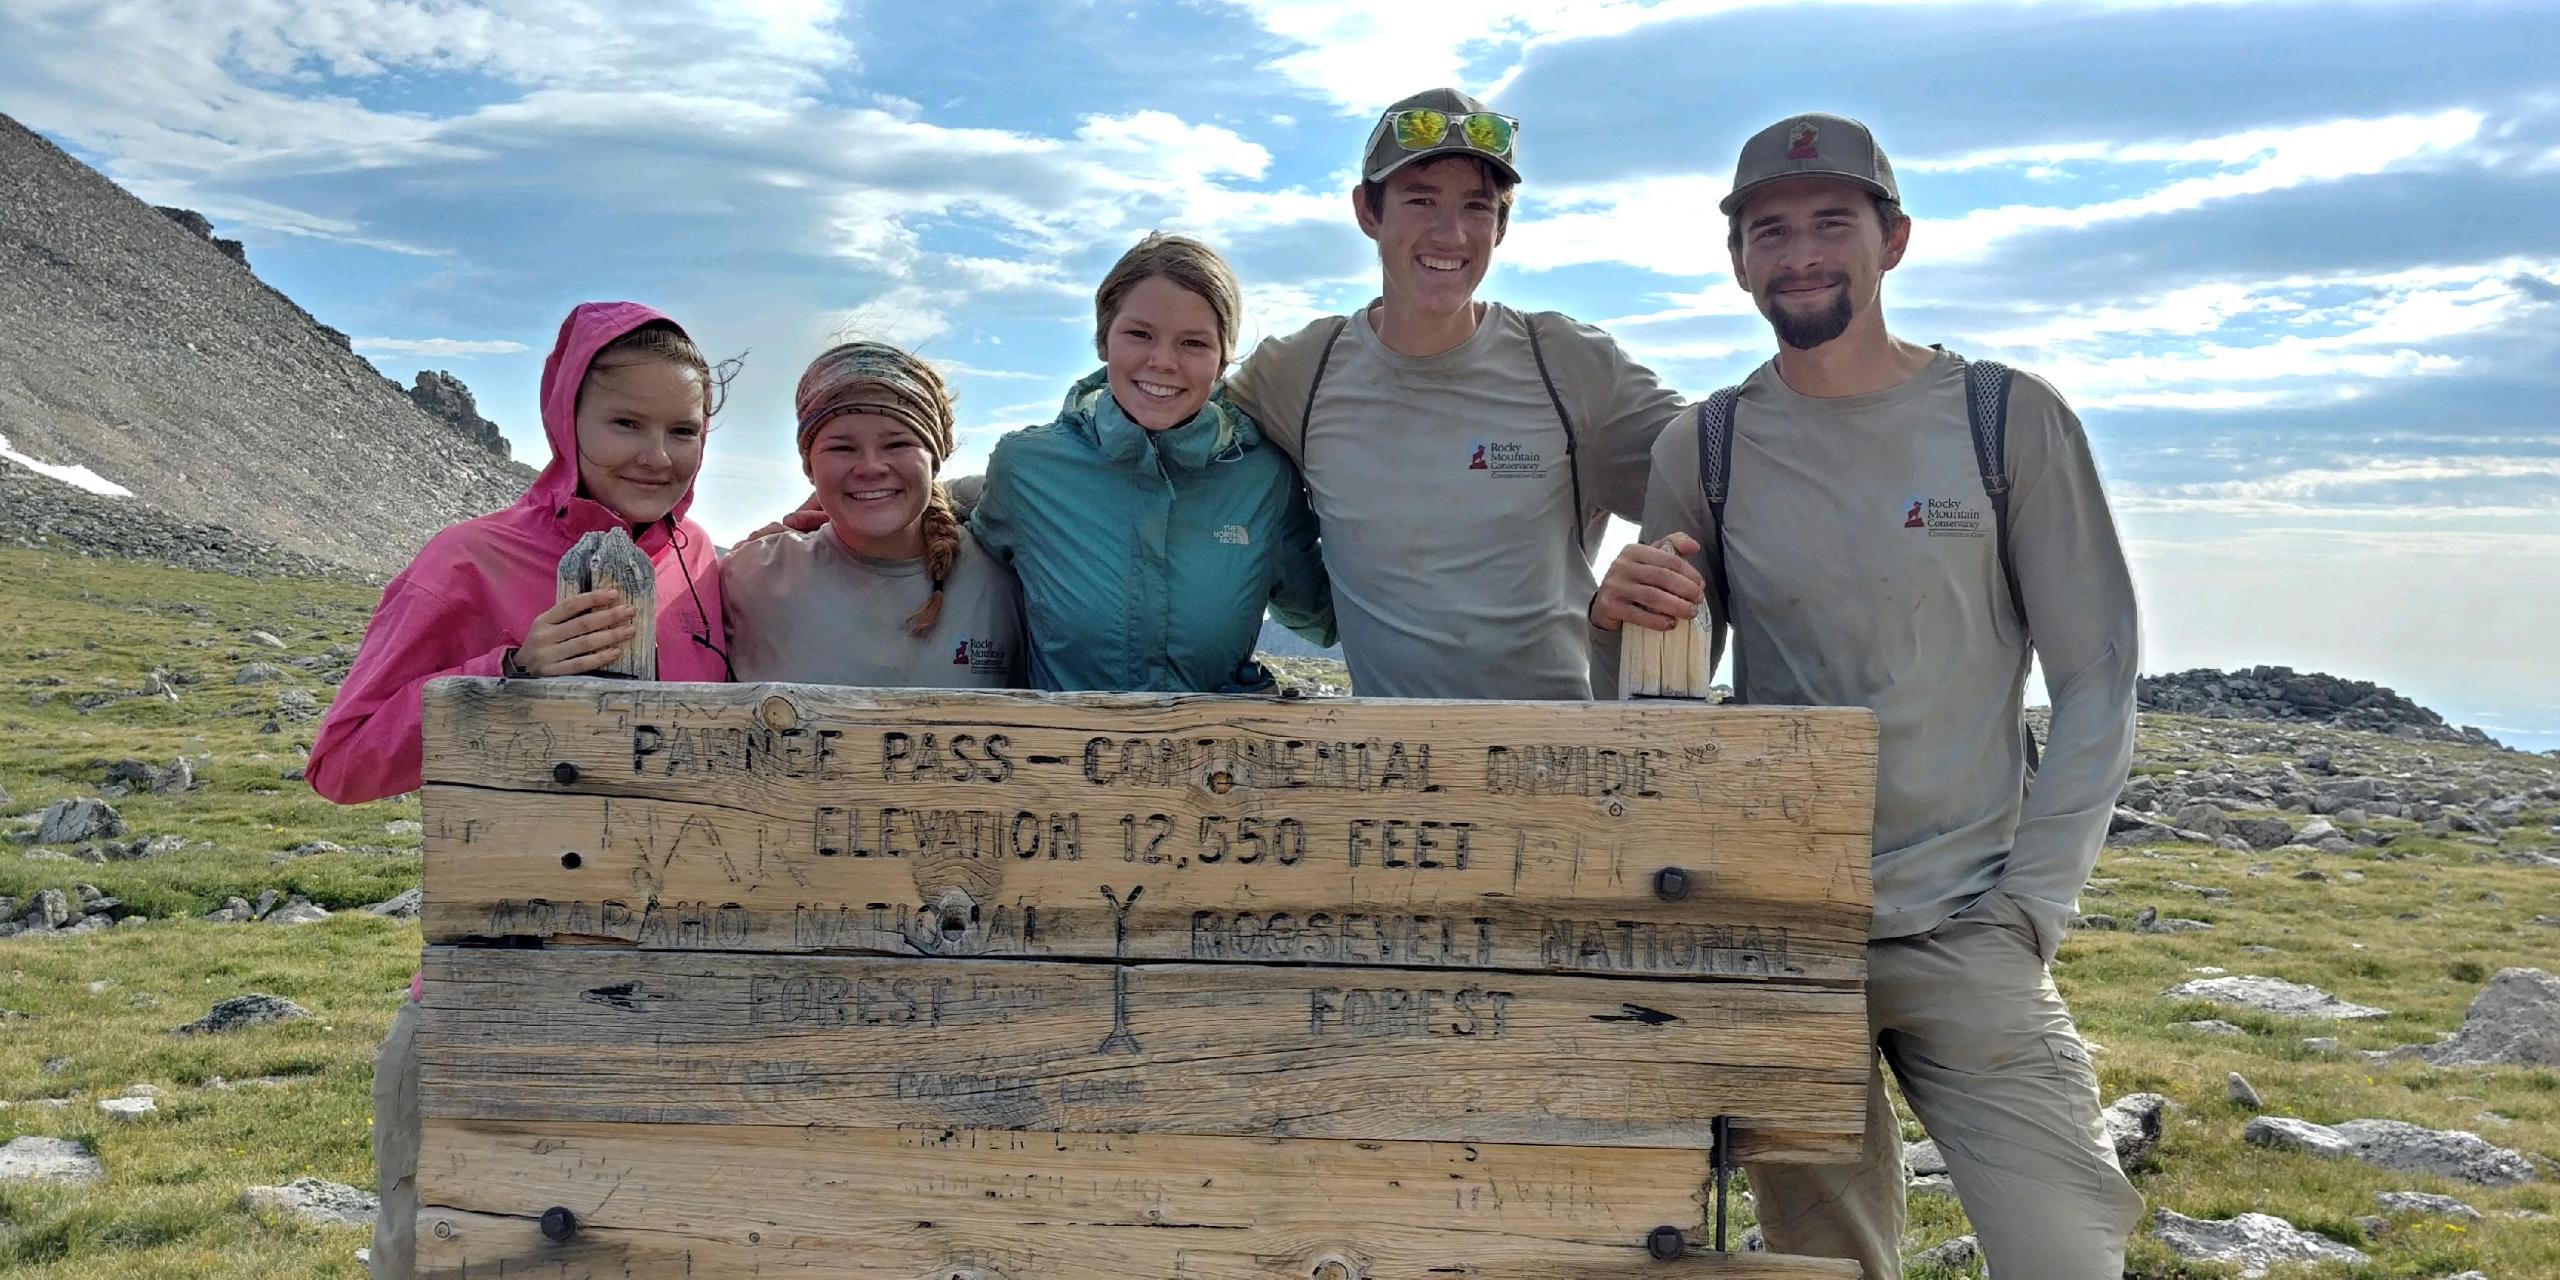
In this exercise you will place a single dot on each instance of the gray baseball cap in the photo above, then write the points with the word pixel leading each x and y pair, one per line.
pixel 1387 153
pixel 1811 146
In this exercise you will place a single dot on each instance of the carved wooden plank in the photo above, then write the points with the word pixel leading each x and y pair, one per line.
pixel 692 1202
pixel 719 875
pixel 1312 1051
pixel 1497 835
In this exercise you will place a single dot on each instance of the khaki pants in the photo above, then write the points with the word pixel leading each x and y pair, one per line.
pixel 395 1148
pixel 1968 1018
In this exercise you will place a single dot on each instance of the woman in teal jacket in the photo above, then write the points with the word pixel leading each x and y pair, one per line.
pixel 1151 524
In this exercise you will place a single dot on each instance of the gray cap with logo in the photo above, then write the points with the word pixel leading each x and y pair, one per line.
pixel 1388 153
pixel 1811 146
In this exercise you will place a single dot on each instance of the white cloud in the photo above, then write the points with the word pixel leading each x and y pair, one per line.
pixel 439 346
pixel 2369 488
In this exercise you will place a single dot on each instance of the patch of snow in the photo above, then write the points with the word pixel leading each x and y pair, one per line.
pixel 76 477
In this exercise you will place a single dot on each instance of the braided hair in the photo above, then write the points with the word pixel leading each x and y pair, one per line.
pixel 874 377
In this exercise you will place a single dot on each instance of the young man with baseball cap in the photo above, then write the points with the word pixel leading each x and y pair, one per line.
pixel 1461 455
pixel 1891 525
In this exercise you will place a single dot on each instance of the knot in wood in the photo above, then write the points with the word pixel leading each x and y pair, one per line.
pixel 1222 782
pixel 1333 1269
pixel 779 714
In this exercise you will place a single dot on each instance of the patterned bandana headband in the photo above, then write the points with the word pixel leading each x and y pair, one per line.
pixel 874 377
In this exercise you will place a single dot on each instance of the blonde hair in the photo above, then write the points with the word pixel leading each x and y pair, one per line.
pixel 663 341
pixel 1184 261
pixel 874 377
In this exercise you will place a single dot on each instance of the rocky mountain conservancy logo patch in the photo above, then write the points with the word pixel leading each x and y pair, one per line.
pixel 1945 518
pixel 1506 459
pixel 981 657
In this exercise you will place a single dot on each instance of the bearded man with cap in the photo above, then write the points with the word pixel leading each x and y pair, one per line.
pixel 1890 525
pixel 1461 455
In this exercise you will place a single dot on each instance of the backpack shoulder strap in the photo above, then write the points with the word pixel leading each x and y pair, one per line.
pixel 1572 452
pixel 1986 402
pixel 1715 478
pixel 1307 416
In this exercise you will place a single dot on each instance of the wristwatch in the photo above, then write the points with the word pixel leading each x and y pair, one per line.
pixel 509 668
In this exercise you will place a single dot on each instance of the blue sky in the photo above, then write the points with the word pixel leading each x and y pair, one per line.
pixel 2297 264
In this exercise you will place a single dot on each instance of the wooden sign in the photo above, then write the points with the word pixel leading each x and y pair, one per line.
pixel 772 980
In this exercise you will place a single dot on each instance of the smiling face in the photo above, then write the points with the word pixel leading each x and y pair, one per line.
pixel 873 474
pixel 1163 352
pixel 639 430
pixel 1813 253
pixel 1436 229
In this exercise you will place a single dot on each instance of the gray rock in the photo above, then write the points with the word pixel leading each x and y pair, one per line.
pixel 268 899
pixel 2320 1044
pixel 296 704
pixel 260 673
pixel 2431 1205
pixel 241 1012
pixel 1953 1255
pixel 2263 833
pixel 1922 1158
pixel 2253 1242
pixel 2284 1133
pixel 2237 1088
pixel 2449 1153
pixel 2210 1026
pixel 401 906
pixel 310 847
pixel 2094 920
pixel 2315 831
pixel 2318 760
pixel 129 1110
pixel 403 827
pixel 265 638
pixel 72 821
pixel 322 1204
pixel 2273 995
pixel 49 909
pixel 2206 818
pixel 33 1159
pixel 232 911
pixel 2134 1124
pixel 300 910
pixel 2515 1021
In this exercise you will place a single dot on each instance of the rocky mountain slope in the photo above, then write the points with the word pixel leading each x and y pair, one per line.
pixel 135 343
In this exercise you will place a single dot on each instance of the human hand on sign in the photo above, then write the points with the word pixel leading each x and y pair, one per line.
pixel 583 633
pixel 1652 585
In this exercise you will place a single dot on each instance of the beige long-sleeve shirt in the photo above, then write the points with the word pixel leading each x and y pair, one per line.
pixel 1446 499
pixel 1864 571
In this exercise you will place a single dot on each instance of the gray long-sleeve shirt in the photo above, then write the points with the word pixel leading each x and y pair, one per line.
pixel 1864 572
pixel 1447 499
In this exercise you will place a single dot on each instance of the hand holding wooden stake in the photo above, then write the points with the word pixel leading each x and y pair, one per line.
pixel 1651 597
pixel 610 560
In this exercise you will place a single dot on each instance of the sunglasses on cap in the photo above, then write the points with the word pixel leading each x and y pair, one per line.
pixel 1423 129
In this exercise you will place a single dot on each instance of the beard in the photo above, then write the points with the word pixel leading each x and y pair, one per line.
pixel 1802 331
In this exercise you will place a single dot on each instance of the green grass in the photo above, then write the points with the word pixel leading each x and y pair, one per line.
pixel 170 1204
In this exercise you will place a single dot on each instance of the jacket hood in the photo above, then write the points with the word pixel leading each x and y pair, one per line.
pixel 1218 433
pixel 589 327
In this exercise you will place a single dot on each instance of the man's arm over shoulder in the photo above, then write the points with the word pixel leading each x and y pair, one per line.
pixel 2083 623
pixel 1619 407
pixel 1271 384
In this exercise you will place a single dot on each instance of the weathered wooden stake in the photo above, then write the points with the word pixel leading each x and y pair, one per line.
pixel 609 558
pixel 1664 664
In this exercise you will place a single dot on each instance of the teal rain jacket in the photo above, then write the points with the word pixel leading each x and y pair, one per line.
pixel 1147 558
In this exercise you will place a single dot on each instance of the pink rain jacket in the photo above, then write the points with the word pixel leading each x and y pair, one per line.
pixel 475 589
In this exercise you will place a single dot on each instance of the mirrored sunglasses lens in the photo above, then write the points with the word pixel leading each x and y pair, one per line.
pixel 1489 134
pixel 1416 130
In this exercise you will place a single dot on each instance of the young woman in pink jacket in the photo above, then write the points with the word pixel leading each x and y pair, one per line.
pixel 626 401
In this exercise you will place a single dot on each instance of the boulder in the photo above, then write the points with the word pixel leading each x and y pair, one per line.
pixel 2515 1021
pixel 1952 1255
pixel 2284 1133
pixel 300 910
pixel 321 1204
pixel 2134 1124
pixel 72 821
pixel 2273 995
pixel 2263 833
pixel 2237 1088
pixel 33 1159
pixel 256 1009
pixel 2426 1203
pixel 400 906
pixel 2254 1242
pixel 2447 1153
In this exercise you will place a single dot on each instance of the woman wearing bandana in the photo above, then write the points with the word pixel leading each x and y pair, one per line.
pixel 891 592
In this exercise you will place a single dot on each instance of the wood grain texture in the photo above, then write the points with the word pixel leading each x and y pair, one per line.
pixel 956 1204
pixel 1489 835
pixel 1248 1051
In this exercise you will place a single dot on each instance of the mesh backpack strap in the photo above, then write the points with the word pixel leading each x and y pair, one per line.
pixel 1715 478
pixel 1307 416
pixel 1572 454
pixel 1986 402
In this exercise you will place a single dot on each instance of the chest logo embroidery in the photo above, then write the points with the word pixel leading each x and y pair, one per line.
pixel 1506 460
pixel 1234 535
pixel 981 657
pixel 1945 518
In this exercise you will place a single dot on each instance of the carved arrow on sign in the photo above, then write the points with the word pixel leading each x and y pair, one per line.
pixel 1637 1013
